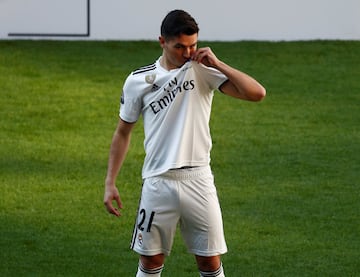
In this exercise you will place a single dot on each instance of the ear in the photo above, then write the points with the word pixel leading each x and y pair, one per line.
pixel 161 41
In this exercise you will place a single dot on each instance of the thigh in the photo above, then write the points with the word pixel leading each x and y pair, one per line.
pixel 201 219
pixel 157 218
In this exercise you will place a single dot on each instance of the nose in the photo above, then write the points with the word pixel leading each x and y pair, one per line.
pixel 187 53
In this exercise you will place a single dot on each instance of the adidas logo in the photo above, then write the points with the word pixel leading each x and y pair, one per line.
pixel 155 87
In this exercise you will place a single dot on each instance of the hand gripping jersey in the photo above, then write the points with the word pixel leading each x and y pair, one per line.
pixel 176 107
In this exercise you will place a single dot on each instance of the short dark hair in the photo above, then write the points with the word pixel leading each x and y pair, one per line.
pixel 178 22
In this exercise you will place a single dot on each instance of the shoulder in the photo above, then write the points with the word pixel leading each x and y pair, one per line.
pixel 140 80
pixel 140 74
pixel 145 69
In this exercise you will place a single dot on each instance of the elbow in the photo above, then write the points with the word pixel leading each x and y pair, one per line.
pixel 262 93
pixel 258 94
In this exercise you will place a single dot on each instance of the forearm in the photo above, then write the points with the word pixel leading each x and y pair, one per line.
pixel 119 147
pixel 240 84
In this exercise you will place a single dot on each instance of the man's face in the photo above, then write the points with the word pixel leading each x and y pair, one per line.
pixel 178 50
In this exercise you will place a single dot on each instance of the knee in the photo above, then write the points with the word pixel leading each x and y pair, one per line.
pixel 208 264
pixel 151 262
pixel 150 266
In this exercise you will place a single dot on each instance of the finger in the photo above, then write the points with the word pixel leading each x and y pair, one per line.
pixel 118 201
pixel 198 55
pixel 111 209
pixel 197 58
pixel 115 212
pixel 202 56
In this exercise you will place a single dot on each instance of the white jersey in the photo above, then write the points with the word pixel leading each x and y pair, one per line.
pixel 176 108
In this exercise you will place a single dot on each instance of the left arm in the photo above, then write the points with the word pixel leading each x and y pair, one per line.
pixel 239 84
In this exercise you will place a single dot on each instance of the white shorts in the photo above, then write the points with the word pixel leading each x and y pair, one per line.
pixel 184 196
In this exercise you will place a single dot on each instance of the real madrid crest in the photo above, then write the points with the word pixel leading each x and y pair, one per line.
pixel 140 239
pixel 150 78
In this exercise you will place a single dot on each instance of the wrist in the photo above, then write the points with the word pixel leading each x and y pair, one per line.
pixel 109 183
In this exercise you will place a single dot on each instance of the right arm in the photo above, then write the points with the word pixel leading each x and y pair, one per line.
pixel 119 147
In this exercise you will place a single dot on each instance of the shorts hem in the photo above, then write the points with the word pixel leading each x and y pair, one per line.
pixel 152 252
pixel 207 253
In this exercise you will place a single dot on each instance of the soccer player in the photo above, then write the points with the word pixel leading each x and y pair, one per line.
pixel 174 96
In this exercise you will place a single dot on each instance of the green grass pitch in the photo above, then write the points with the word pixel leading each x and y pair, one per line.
pixel 287 169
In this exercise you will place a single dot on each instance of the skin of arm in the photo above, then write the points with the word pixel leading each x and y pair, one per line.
pixel 118 150
pixel 239 84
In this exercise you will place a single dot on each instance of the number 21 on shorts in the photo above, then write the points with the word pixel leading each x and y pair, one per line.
pixel 142 219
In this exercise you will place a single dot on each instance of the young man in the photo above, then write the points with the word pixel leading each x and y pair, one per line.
pixel 174 96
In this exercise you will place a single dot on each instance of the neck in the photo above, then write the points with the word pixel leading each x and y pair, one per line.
pixel 164 64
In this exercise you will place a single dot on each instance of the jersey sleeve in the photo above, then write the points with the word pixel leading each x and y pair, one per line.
pixel 213 77
pixel 130 104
